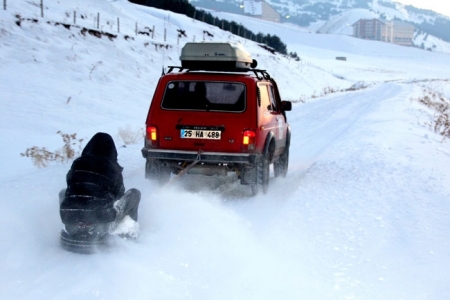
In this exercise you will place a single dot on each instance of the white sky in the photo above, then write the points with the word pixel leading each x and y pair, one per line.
pixel 438 6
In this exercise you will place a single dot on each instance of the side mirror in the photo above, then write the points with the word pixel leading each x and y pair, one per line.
pixel 286 105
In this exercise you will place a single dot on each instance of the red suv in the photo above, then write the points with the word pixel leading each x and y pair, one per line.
pixel 217 114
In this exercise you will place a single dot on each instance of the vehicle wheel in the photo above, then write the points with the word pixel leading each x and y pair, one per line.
pixel 262 173
pixel 280 167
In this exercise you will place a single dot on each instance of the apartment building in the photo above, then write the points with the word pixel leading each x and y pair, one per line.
pixel 395 32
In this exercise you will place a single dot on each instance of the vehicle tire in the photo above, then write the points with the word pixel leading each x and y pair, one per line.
pixel 262 174
pixel 280 167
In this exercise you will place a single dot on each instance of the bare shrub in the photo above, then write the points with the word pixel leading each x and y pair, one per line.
pixel 70 141
pixel 129 136
pixel 42 157
pixel 442 125
pixel 436 101
pixel 330 90
pixel 357 86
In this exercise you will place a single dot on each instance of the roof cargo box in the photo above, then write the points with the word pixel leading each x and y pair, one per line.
pixel 216 56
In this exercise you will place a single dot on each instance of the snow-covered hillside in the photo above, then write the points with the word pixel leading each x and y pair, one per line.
pixel 342 23
pixel 362 214
pixel 337 17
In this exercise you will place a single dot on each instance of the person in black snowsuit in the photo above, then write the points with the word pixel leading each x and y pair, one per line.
pixel 95 202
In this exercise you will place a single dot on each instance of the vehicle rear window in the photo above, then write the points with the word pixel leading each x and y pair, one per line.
pixel 204 95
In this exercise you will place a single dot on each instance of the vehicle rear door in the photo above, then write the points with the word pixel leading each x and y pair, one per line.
pixel 203 114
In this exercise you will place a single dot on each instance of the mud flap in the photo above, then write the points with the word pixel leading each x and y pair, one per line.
pixel 248 175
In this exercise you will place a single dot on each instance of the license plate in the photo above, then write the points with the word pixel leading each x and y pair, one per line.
pixel 200 134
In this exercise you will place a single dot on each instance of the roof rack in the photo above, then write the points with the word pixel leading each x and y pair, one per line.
pixel 259 73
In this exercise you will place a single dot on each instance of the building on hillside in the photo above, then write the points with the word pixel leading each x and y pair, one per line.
pixel 399 33
pixel 395 32
pixel 261 9
pixel 368 29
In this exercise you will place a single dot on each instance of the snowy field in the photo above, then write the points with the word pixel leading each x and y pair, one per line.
pixel 364 212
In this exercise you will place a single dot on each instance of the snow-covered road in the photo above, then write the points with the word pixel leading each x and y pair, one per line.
pixel 346 222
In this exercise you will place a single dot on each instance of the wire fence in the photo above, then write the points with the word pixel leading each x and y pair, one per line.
pixel 112 24
pixel 115 24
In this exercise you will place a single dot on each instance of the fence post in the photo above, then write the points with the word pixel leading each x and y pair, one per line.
pixel 74 17
pixel 135 29
pixel 4 4
pixel 98 20
pixel 42 8
pixel 153 31
pixel 165 33
pixel 118 24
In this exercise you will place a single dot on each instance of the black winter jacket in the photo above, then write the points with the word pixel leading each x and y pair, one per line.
pixel 94 183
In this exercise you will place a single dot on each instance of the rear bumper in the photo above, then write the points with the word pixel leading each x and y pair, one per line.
pixel 206 157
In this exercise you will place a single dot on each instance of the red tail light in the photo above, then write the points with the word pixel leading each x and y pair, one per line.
pixel 248 139
pixel 152 136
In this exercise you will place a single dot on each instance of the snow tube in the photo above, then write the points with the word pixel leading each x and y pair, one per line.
pixel 84 244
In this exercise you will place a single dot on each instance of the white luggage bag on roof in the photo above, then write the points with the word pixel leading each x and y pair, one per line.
pixel 217 56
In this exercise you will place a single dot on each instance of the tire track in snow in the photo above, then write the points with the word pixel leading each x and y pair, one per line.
pixel 324 122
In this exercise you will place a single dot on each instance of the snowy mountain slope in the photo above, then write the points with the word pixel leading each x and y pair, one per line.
pixel 337 17
pixel 305 44
pixel 342 23
pixel 362 214
pixel 320 8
